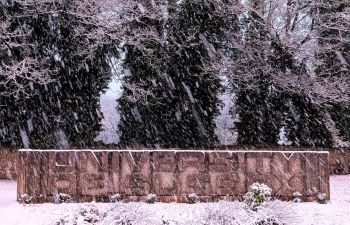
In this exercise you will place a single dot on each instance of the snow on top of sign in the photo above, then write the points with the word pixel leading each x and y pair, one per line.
pixel 171 150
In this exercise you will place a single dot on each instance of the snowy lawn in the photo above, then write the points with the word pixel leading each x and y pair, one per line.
pixel 337 211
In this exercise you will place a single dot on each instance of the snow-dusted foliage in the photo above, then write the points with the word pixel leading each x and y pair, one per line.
pixel 102 23
pixel 322 198
pixel 169 98
pixel 151 198
pixel 295 33
pixel 118 214
pixel 124 214
pixel 220 213
pixel 26 198
pixel 64 198
pixel 288 72
pixel 275 213
pixel 234 213
pixel 192 198
pixel 258 195
pixel 224 213
pixel 55 71
pixel 297 197
pixel 85 216
pixel 287 63
pixel 283 140
pixel 116 197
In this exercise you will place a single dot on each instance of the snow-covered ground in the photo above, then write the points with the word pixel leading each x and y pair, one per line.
pixel 7 193
pixel 337 211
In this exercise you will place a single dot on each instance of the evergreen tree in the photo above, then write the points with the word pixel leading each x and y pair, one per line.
pixel 184 95
pixel 14 111
pixel 65 111
pixel 303 121
pixel 256 107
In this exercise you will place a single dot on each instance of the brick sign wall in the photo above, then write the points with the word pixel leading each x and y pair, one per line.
pixel 171 175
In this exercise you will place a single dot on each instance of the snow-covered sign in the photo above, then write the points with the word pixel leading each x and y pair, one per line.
pixel 169 175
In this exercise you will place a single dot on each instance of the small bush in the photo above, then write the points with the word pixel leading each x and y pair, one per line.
pixel 151 198
pixel 85 215
pixel 26 198
pixel 269 221
pixel 297 197
pixel 257 195
pixel 116 198
pixel 64 198
pixel 192 198
pixel 218 216
pixel 128 214
pixel 275 213
pixel 322 198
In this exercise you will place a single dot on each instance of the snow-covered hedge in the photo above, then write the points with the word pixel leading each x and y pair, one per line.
pixel 220 213
pixel 86 215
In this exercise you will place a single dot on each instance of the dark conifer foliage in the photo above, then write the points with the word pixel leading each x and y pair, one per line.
pixel 184 101
pixel 287 63
pixel 257 107
pixel 66 111
pixel 303 121
pixel 139 119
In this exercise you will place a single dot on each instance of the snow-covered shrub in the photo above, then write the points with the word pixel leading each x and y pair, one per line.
pixel 322 198
pixel 26 198
pixel 165 222
pixel 91 215
pixel 128 214
pixel 151 198
pixel 170 222
pixel 222 213
pixel 192 198
pixel 268 221
pixel 297 197
pixel 257 195
pixel 115 198
pixel 85 216
pixel 275 213
pixel 235 213
pixel 64 198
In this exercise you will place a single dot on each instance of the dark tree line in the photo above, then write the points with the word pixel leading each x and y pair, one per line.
pixel 286 61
